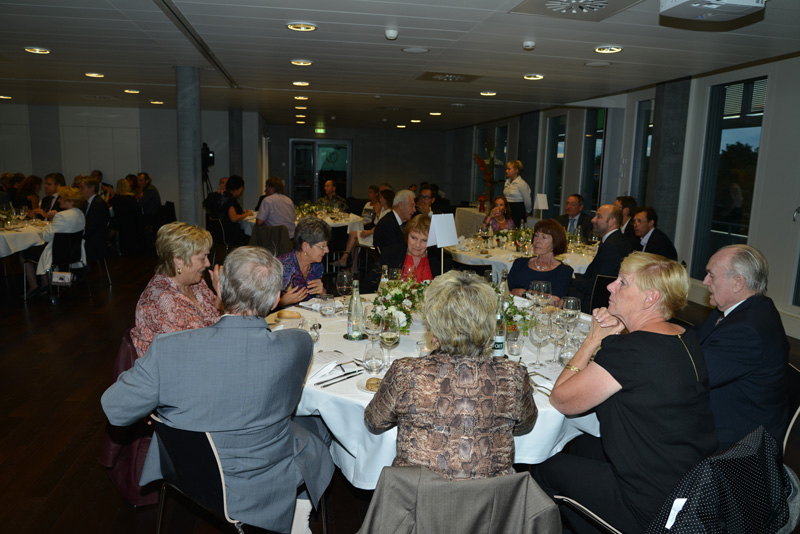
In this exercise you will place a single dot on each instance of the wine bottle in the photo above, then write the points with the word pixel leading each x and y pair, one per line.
pixel 500 331
pixel 354 314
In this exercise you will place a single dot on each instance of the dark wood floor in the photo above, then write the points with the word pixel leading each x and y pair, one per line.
pixel 55 362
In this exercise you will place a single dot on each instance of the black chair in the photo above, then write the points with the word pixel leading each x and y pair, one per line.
pixel 791 441
pixel 67 250
pixel 273 238
pixel 193 475
pixel 99 255
pixel 600 293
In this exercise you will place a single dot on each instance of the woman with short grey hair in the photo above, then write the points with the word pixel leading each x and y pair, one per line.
pixel 302 267
pixel 457 409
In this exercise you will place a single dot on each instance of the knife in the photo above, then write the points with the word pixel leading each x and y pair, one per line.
pixel 342 378
pixel 345 375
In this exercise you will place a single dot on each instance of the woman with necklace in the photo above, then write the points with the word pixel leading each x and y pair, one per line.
pixel 500 216
pixel 302 267
pixel 549 240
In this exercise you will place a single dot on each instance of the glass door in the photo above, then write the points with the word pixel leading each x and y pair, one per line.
pixel 315 161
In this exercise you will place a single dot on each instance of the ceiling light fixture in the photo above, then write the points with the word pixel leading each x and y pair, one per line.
pixel 156 102
pixel 435 113
pixel 533 77
pixel 301 98
pixel 301 107
pixel 390 34
pixel 132 91
pixel 301 26
pixel 300 122
pixel 301 84
pixel 415 50
pixel 5 97
pixel 401 125
pixel 608 49
pixel 302 62
pixel 37 50
pixel 488 93
pixel 415 121
pixel 95 74
pixel 299 116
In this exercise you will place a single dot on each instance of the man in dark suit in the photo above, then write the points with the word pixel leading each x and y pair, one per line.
pixel 650 238
pixel 745 347
pixel 575 217
pixel 95 236
pixel 425 202
pixel 210 380
pixel 628 206
pixel 610 253
pixel 49 205
pixel 389 230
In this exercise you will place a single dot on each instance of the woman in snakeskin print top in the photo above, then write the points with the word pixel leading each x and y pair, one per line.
pixel 456 410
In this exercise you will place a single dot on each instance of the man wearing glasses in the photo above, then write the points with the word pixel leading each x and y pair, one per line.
pixel 425 202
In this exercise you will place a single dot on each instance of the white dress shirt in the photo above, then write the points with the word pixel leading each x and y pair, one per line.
pixel 518 191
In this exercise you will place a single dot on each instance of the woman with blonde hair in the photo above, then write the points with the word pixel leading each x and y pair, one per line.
pixel 649 388
pixel 518 193
pixel 177 298
pixel 457 410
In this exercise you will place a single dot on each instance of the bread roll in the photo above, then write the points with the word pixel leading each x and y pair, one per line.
pixel 289 314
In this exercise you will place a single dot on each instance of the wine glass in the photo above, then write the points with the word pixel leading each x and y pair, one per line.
pixel 344 285
pixel 390 336
pixel 558 330
pixel 373 322
pixel 539 292
pixel 571 309
pixel 538 332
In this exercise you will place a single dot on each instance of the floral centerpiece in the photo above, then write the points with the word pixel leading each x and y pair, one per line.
pixel 517 317
pixel 399 298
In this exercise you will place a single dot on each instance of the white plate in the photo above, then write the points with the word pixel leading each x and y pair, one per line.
pixel 362 384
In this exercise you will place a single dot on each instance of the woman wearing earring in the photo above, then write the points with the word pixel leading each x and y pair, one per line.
pixel 500 216
pixel 549 240
pixel 302 268
pixel 177 298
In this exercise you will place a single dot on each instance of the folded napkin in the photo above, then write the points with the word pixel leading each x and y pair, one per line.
pixel 313 304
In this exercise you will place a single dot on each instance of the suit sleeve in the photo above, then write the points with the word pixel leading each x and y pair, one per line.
pixel 729 353
pixel 135 393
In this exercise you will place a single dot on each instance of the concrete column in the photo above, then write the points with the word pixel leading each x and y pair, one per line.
pixel 235 147
pixel 189 143
pixel 666 156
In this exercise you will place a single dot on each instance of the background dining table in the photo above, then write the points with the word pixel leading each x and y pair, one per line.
pixel 19 237
pixel 346 220
pixel 500 258
pixel 362 455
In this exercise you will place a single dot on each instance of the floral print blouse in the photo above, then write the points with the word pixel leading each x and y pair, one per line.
pixel 164 308
pixel 456 416
pixel 293 275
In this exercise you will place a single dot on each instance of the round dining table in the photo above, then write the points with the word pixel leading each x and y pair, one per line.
pixel 19 237
pixel 360 454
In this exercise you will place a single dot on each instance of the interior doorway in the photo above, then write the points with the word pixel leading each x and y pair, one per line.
pixel 315 161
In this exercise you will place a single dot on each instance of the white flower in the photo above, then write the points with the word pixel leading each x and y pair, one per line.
pixel 407 303
pixel 380 309
pixel 517 318
pixel 395 291
pixel 401 318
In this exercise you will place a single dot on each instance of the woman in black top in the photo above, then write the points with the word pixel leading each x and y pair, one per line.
pixel 650 391
pixel 231 214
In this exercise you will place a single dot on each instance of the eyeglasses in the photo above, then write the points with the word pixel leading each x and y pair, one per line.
pixel 321 246
pixel 426 197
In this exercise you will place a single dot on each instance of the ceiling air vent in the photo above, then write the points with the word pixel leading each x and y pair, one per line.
pixel 591 10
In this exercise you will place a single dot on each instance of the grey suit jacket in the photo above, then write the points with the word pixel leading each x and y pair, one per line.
pixel 241 382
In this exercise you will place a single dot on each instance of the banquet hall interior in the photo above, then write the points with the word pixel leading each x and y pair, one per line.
pixel 692 112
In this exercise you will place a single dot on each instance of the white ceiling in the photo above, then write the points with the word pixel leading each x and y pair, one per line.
pixel 359 76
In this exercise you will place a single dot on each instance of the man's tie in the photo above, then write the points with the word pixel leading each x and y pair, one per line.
pixel 571 226
pixel 720 318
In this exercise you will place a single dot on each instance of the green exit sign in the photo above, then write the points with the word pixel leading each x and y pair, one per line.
pixel 319 130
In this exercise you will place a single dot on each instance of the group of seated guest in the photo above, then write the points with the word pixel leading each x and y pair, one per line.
pixel 389 230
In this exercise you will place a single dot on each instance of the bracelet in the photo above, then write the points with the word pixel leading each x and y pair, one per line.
pixel 572 368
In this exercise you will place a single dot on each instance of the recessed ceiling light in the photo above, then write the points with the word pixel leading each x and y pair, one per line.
pixel 37 50
pixel 300 122
pixel 301 107
pixel 302 62
pixel 608 49
pixel 415 50
pixel 301 84
pixel 301 26
pixel 301 98
pixel 488 93
pixel 415 120
pixel 5 97
pixel 299 116
pixel 401 125
pixel 156 102
pixel 435 113
pixel 597 64
pixel 132 91
pixel 95 74
pixel 533 77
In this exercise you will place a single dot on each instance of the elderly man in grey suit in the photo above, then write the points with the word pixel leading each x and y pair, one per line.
pixel 240 382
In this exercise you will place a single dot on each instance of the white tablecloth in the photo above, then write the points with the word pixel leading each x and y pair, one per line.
pixel 20 238
pixel 361 455
pixel 469 220
pixel 248 223
pixel 501 259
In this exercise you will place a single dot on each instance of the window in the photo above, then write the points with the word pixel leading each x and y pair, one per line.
pixel 554 164
pixel 641 156
pixel 729 168
pixel 593 158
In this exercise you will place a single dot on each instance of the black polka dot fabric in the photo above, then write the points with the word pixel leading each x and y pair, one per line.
pixel 741 490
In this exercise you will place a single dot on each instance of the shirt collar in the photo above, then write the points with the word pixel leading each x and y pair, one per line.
pixel 646 237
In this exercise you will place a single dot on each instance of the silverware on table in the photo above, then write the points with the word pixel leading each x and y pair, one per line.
pixel 346 376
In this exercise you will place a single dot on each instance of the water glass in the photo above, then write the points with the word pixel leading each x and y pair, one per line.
pixel 515 346
pixel 373 359
pixel 327 305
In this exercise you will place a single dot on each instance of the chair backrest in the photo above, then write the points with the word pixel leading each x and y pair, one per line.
pixel 600 293
pixel 791 441
pixel 67 248
pixel 189 463
pixel 741 490
pixel 273 238
pixel 416 499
